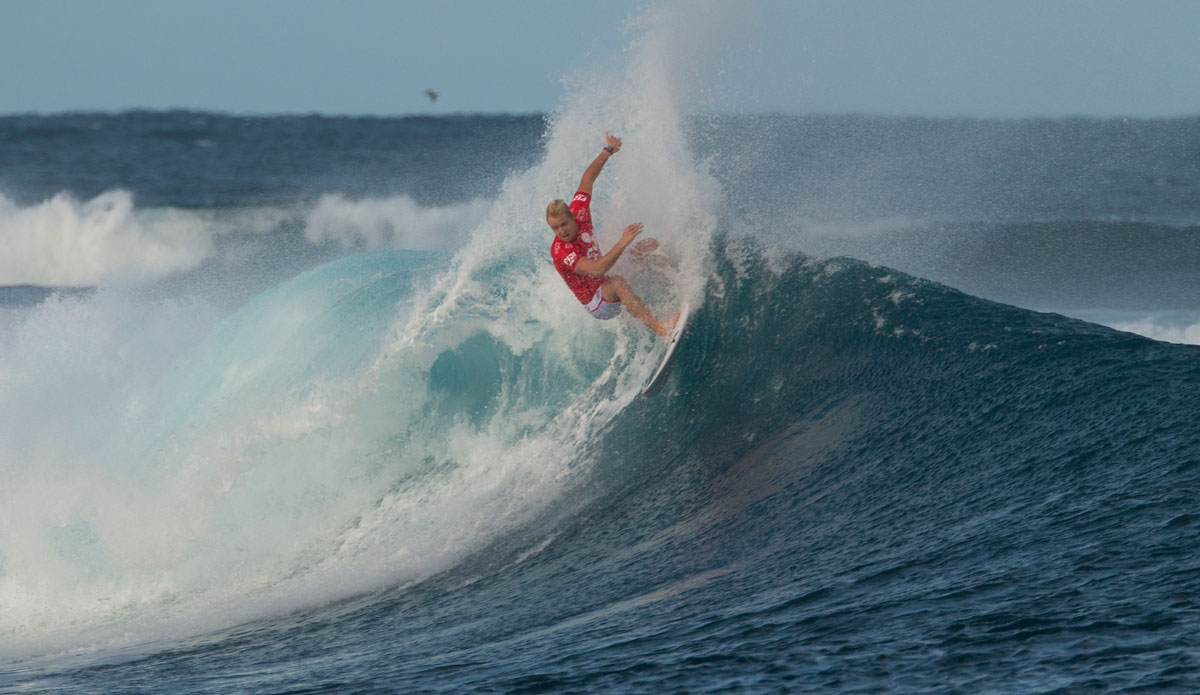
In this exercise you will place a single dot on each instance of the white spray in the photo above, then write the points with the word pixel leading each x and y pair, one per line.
pixel 300 456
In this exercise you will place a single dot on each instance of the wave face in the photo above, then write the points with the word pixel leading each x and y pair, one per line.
pixel 854 476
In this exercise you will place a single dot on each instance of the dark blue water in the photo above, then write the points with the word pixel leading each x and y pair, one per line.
pixel 344 431
pixel 196 160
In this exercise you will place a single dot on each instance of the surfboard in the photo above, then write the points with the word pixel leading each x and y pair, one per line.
pixel 664 368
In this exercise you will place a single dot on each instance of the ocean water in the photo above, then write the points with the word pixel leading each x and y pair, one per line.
pixel 297 404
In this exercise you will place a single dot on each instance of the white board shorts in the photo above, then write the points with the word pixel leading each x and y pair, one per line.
pixel 601 308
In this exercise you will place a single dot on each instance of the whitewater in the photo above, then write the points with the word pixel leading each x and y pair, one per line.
pixel 298 403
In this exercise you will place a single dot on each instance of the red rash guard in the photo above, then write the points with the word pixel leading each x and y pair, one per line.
pixel 566 255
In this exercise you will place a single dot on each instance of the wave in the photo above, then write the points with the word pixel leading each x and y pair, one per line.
pixel 377 421
pixel 108 241
pixel 1064 265
pixel 66 242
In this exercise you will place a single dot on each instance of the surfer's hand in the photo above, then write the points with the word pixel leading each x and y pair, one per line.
pixel 631 232
pixel 612 141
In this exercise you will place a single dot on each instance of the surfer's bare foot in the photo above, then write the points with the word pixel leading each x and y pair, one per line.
pixel 668 326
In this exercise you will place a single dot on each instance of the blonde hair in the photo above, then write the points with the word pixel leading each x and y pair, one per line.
pixel 557 208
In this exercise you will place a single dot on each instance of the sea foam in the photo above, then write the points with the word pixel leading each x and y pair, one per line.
pixel 66 242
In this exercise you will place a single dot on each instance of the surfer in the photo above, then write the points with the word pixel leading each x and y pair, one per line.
pixel 577 256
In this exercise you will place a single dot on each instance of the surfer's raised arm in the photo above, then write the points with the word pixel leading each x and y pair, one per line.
pixel 612 144
pixel 578 259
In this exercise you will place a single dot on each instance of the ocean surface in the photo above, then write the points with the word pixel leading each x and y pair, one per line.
pixel 297 404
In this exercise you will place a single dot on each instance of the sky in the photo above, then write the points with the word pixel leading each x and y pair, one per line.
pixel 938 58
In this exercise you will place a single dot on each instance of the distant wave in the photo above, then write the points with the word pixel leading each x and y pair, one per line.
pixel 1167 326
pixel 71 243
pixel 398 222
pixel 109 241
pixel 1064 265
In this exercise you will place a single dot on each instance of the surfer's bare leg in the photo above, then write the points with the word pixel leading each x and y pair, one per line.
pixel 617 289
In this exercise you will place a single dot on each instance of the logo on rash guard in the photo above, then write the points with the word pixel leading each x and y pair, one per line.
pixel 570 259
pixel 580 196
